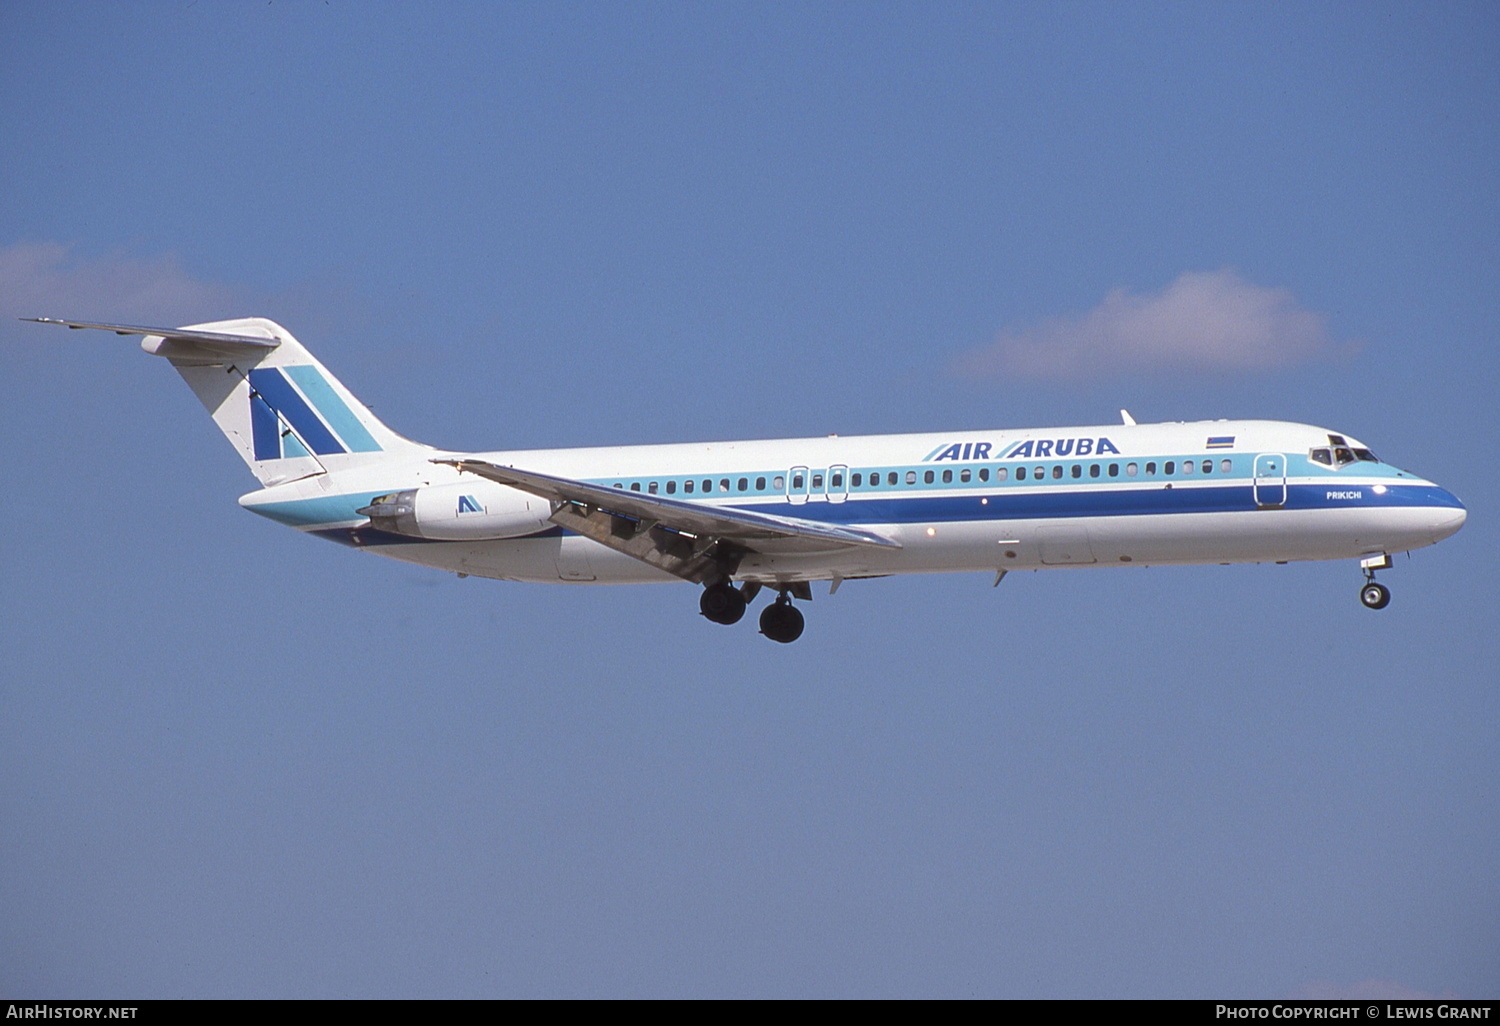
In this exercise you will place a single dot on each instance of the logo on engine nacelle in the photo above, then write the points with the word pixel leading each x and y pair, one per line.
pixel 468 504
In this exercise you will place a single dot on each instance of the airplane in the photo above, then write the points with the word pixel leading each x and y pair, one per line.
pixel 737 518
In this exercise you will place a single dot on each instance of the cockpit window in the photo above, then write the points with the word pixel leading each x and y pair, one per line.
pixel 1341 455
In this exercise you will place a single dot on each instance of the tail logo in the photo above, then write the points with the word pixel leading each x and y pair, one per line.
pixel 295 412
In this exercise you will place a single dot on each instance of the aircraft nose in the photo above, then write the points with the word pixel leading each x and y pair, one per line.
pixel 1448 516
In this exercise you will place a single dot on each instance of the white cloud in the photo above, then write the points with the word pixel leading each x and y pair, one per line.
pixel 44 279
pixel 1203 321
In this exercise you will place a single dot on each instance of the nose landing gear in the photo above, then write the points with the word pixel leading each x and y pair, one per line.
pixel 1373 594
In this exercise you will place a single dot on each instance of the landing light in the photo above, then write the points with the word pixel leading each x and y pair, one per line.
pixel 1378 489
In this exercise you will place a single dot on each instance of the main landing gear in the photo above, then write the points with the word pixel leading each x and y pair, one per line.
pixel 723 603
pixel 1373 594
pixel 780 621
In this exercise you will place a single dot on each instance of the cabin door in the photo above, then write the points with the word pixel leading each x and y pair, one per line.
pixel 796 485
pixel 1270 480
pixel 838 483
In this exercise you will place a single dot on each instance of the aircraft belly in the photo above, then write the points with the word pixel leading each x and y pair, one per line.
pixel 1065 544
pixel 1259 535
pixel 547 560
pixel 1248 536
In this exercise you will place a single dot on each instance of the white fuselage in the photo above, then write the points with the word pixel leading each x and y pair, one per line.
pixel 1208 492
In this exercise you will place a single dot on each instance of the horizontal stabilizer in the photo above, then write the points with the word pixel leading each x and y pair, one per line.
pixel 286 416
pixel 213 341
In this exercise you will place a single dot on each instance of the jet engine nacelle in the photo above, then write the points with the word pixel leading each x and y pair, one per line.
pixel 474 510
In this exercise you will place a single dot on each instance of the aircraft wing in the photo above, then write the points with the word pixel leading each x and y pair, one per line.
pixel 689 539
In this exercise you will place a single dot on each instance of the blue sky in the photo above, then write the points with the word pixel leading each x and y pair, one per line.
pixel 235 761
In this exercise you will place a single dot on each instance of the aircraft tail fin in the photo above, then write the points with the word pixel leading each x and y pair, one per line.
pixel 279 407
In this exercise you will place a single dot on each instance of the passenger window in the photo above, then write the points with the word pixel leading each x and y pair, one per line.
pixel 927 477
pixel 1093 470
pixel 1208 466
pixel 619 485
pixel 1057 472
pixel 797 481
pixel 963 476
pixel 1000 473
pixel 1151 469
pixel 1187 466
pixel 1168 467
pixel 984 473
pixel 1077 471
pixel 778 482
pixel 855 480
pixel 1130 470
pixel 836 481
pixel 687 486
pixel 891 478
pixel 724 484
pixel 744 483
pixel 651 488
pixel 760 484
pixel 1225 466
pixel 817 481
pixel 1114 470
pixel 635 486
pixel 947 477
pixel 671 487
pixel 911 477
pixel 1020 473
